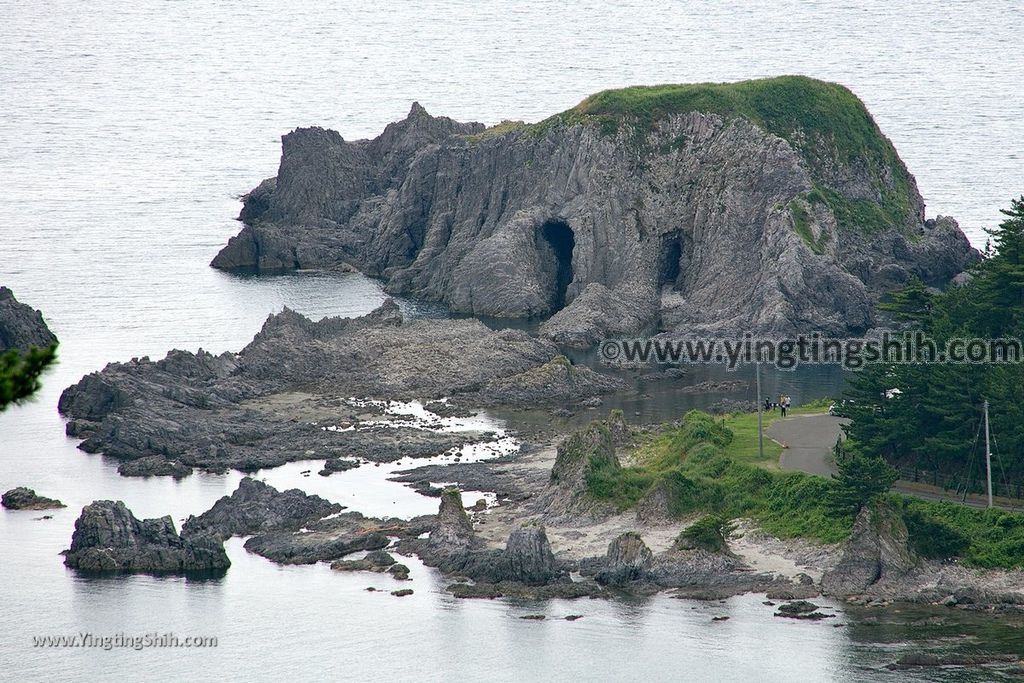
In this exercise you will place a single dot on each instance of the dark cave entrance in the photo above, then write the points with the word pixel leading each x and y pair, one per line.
pixel 671 259
pixel 559 238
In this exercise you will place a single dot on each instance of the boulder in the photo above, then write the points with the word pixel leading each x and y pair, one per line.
pixel 453 530
pixel 21 326
pixel 628 560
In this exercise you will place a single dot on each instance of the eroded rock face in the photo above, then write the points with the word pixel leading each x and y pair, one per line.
pixel 22 498
pixel 108 538
pixel 21 326
pixel 453 529
pixel 876 553
pixel 528 557
pixel 256 507
pixel 700 221
pixel 629 559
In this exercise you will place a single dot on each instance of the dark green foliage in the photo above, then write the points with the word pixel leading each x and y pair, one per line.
pixel 989 538
pixel 861 480
pixel 933 422
pixel 913 302
pixel 709 533
pixel 20 372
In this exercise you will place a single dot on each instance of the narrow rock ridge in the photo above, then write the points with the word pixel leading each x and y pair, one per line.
pixel 614 220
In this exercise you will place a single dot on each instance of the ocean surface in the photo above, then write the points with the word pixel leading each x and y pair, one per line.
pixel 128 131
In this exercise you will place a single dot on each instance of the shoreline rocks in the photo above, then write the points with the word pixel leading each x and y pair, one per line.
pixel 255 507
pixel 283 396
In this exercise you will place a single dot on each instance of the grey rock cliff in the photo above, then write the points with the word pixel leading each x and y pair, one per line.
pixel 698 220
pixel 21 326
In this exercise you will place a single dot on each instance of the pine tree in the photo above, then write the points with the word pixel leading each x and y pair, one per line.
pixel 20 372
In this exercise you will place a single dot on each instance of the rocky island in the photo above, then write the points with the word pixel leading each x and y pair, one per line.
pixel 767 206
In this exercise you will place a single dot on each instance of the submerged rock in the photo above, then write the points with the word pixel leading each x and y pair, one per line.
pixel 108 538
pixel 22 498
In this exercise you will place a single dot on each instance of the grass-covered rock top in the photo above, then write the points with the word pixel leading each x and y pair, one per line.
pixel 825 122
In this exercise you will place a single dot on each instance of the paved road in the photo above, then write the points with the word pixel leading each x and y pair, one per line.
pixel 807 441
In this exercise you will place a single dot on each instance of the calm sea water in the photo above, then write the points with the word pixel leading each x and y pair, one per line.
pixel 130 128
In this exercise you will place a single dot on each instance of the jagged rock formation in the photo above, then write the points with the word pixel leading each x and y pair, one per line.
pixel 770 205
pixel 629 559
pixel 256 507
pixel 269 404
pixel 22 498
pixel 876 553
pixel 453 529
pixel 21 326
pixel 583 451
pixel 108 538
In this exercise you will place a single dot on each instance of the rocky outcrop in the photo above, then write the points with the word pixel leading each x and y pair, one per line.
pixel 282 397
pixel 584 451
pixel 628 560
pixel 256 507
pixel 454 548
pixel 453 530
pixel 108 538
pixel 771 205
pixel 21 326
pixel 22 498
pixel 876 553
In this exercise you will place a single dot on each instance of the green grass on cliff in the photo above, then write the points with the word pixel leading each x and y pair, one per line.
pixel 711 465
pixel 825 122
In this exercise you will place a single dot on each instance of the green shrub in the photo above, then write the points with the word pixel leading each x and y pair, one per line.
pixel 708 533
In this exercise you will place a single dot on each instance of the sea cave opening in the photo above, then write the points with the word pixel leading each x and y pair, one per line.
pixel 560 239
pixel 671 258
